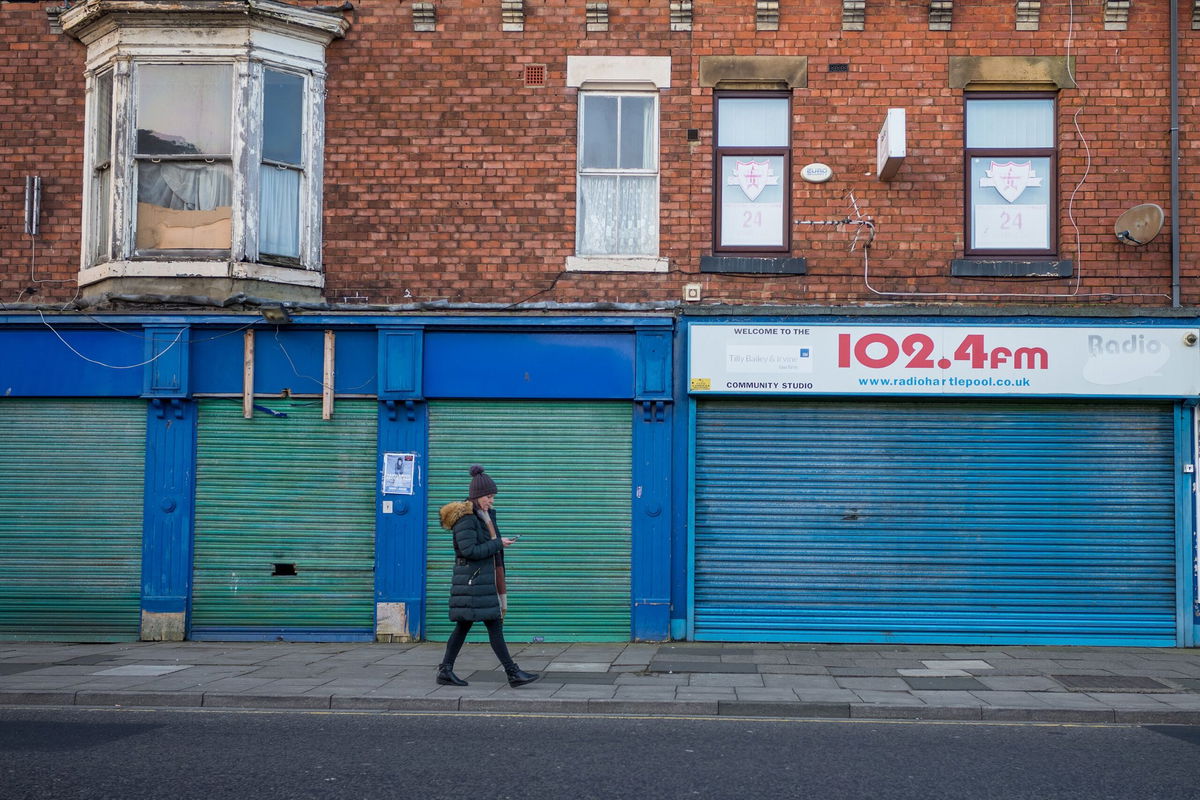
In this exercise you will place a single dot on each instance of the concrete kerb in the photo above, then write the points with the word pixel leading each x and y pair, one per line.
pixel 141 699
pixel 715 708
pixel 36 698
pixel 297 702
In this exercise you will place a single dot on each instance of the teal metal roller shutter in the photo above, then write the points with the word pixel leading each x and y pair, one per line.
pixel 71 483
pixel 276 494
pixel 563 469
pixel 930 521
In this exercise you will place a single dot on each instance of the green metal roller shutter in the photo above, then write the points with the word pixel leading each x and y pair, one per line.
pixel 294 490
pixel 968 522
pixel 563 469
pixel 71 484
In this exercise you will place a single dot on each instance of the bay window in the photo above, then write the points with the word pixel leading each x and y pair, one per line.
pixel 204 146
pixel 101 157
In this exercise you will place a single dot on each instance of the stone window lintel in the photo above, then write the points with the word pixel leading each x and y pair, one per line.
pixel 1014 73
pixel 754 72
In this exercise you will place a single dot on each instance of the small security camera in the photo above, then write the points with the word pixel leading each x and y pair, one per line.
pixel 1190 339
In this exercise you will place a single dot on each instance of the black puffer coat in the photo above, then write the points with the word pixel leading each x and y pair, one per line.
pixel 473 595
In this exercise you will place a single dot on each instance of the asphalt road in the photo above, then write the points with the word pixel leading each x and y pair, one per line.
pixel 136 754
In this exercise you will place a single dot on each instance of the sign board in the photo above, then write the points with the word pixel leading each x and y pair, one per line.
pixel 769 358
pixel 891 144
pixel 1024 227
pixel 752 202
pixel 816 172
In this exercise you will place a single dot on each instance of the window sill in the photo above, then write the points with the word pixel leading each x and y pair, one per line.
pixel 616 264
pixel 1011 268
pixel 201 269
pixel 754 265
pixel 202 282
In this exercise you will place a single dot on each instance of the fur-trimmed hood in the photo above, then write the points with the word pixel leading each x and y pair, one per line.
pixel 453 512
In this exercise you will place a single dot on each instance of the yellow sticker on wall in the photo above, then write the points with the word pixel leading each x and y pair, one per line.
pixel 701 384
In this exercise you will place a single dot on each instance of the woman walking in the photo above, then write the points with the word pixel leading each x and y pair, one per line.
pixel 477 591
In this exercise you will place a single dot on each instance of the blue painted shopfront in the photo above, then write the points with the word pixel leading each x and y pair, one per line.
pixel 839 514
pixel 702 560
pixel 181 365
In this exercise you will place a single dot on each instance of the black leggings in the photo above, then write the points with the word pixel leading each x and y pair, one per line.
pixel 495 629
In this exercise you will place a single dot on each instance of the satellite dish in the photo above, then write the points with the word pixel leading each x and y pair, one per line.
pixel 1140 224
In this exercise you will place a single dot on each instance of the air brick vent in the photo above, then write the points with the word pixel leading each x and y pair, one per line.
pixel 535 74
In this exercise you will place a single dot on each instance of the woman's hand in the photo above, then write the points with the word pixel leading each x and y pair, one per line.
pixel 507 542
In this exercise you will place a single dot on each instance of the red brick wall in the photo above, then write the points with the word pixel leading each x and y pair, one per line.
pixel 41 133
pixel 447 179
pixel 478 202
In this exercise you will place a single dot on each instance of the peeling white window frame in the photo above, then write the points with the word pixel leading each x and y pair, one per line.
pixel 619 75
pixel 287 40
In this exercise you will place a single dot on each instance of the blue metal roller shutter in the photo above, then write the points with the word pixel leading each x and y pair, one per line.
pixel 932 521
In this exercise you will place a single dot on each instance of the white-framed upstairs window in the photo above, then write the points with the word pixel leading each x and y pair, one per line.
pixel 618 174
pixel 617 164
pixel 204 141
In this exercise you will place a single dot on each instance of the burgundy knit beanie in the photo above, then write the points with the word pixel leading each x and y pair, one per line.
pixel 481 484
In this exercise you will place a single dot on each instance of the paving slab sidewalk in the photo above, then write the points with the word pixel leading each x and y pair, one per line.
pixel 1042 684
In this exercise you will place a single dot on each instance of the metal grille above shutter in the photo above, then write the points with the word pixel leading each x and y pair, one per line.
pixel 295 491
pixel 563 469
pixel 980 522
pixel 72 474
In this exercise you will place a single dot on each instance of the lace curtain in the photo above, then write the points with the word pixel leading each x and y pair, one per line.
pixel 618 215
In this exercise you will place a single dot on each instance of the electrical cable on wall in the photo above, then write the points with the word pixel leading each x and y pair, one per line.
pixel 33 215
pixel 137 334
pixel 165 350
pixel 539 293
pixel 1077 278
pixel 292 363
pixel 320 383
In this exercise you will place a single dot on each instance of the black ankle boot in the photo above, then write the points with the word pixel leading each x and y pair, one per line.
pixel 519 677
pixel 446 677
